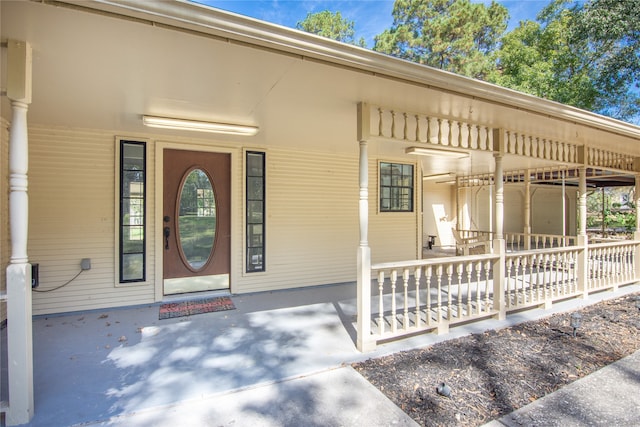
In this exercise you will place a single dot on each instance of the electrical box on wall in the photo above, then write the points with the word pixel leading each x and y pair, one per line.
pixel 35 273
pixel 85 264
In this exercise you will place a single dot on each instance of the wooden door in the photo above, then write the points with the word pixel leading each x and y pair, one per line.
pixel 196 232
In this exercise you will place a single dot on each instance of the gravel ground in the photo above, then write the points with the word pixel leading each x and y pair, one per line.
pixel 475 379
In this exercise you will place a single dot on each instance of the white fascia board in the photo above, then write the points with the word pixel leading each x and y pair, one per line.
pixel 233 27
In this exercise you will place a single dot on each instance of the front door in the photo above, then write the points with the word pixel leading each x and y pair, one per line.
pixel 196 231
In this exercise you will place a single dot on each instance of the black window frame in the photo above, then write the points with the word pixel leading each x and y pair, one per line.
pixel 393 191
pixel 122 203
pixel 255 242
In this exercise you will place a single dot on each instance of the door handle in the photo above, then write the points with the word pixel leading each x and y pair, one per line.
pixel 167 233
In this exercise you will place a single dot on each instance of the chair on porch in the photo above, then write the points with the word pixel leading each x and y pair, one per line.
pixel 475 245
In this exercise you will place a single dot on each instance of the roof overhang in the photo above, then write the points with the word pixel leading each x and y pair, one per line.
pixel 187 16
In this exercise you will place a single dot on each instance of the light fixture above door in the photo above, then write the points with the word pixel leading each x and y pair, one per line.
pixel 437 152
pixel 199 126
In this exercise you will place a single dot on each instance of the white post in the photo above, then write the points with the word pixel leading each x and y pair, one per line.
pixel 583 240
pixel 582 201
pixel 527 210
pixel 564 213
pixel 364 340
pixel 499 197
pixel 459 225
pixel 19 321
pixel 636 234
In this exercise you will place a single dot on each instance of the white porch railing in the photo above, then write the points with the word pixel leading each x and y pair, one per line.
pixel 423 295
pixel 431 295
pixel 612 264
pixel 523 241
pixel 518 241
pixel 539 277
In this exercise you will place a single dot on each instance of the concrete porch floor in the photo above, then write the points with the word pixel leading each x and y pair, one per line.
pixel 110 366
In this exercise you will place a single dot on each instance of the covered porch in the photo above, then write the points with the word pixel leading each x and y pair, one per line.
pixel 124 366
pixel 516 266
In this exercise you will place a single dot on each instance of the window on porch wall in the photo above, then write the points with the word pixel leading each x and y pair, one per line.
pixel 396 187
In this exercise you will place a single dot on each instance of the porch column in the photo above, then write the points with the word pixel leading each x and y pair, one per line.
pixel 499 197
pixel 364 340
pixel 459 225
pixel 583 240
pixel 19 321
pixel 527 210
pixel 636 233
pixel 582 201
pixel 636 202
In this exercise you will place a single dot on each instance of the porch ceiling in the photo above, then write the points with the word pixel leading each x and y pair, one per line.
pixel 99 71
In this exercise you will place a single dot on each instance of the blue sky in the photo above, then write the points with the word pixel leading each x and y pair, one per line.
pixel 371 17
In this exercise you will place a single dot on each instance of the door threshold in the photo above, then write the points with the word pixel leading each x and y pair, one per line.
pixel 195 295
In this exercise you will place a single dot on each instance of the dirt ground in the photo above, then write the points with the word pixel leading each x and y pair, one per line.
pixel 491 374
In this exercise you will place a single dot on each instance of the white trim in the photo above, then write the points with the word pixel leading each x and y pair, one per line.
pixel 183 285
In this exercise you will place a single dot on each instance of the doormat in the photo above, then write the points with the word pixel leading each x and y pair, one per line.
pixel 193 307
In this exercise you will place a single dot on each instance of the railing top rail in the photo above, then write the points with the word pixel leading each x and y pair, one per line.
pixel 433 261
pixel 543 251
pixel 614 244
pixel 560 236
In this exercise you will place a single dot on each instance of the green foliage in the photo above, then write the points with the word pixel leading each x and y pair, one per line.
pixel 330 25
pixel 614 208
pixel 585 55
pixel 453 35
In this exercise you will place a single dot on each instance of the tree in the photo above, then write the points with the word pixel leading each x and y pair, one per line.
pixel 453 35
pixel 330 25
pixel 586 55
pixel 612 28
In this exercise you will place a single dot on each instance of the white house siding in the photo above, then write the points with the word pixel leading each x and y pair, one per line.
pixel 546 210
pixel 311 215
pixel 393 236
pixel 72 216
pixel 312 220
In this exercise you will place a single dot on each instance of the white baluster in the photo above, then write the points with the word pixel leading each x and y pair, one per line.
pixel 469 268
pixel 394 320
pixel 487 285
pixel 478 269
pixel 417 274
pixel 404 128
pixel 405 276
pixel 449 286
pixel 381 301
pixel 393 124
pixel 427 281
pixel 508 285
pixel 439 296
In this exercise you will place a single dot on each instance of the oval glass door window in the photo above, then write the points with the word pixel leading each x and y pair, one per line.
pixel 197 219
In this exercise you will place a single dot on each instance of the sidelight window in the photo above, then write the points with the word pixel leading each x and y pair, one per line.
pixel 132 211
pixel 255 210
